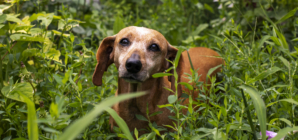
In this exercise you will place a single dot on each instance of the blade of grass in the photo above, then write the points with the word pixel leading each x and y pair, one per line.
pixel 283 132
pixel 121 123
pixel 249 117
pixel 31 118
pixel 259 106
pixel 190 61
pixel 79 125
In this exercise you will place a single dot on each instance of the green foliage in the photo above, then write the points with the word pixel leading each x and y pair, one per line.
pixel 47 58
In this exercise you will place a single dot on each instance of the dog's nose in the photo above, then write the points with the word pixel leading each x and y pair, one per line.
pixel 133 64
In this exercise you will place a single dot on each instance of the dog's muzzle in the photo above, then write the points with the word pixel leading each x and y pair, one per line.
pixel 133 64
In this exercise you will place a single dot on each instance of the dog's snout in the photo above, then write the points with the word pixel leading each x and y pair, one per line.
pixel 133 64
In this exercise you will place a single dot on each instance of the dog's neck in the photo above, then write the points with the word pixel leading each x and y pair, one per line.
pixel 133 87
pixel 154 91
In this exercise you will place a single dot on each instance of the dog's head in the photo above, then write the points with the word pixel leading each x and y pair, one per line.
pixel 137 52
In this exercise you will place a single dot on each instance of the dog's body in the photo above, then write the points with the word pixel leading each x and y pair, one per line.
pixel 138 53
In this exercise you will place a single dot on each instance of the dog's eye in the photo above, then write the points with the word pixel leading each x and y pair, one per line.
pixel 124 42
pixel 154 47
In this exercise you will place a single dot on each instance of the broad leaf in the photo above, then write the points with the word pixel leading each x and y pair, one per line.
pixel 172 99
pixel 12 91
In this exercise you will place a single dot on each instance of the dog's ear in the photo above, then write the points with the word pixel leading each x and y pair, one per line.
pixel 171 55
pixel 105 57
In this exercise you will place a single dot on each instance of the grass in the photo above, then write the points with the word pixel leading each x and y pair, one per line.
pixel 47 60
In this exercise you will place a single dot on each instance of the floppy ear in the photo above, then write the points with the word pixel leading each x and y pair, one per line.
pixel 171 55
pixel 105 57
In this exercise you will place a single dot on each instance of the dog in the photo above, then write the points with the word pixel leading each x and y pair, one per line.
pixel 138 53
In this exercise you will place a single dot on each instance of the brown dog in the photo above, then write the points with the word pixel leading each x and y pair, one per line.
pixel 138 53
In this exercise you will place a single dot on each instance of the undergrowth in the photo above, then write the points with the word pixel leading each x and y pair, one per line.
pixel 47 58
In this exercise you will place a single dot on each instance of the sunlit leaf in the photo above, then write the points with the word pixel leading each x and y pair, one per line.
pixel 156 75
pixel 12 91
pixel 4 7
pixel 13 18
pixel 25 37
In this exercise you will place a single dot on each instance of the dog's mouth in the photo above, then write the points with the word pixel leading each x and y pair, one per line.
pixel 131 79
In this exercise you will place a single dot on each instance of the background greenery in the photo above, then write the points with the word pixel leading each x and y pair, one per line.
pixel 47 58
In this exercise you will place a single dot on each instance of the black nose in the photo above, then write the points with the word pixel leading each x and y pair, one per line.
pixel 133 64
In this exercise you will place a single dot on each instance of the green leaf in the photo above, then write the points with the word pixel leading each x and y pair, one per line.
pixel 259 106
pixel 59 33
pixel 283 100
pixel 46 19
pixel 290 101
pixel 80 125
pixel 177 58
pixel 187 85
pixel 58 79
pixel 30 52
pixel 192 68
pixel 264 38
pixel 209 8
pixel 141 117
pixel 13 18
pixel 4 7
pixel 53 54
pixel 12 91
pixel 295 39
pixel 136 133
pixel 2 18
pixel 284 43
pixel 156 75
pixel 151 136
pixel 25 37
pixel 286 121
pixel 264 74
pixel 288 15
pixel 31 117
pixel 120 122
pixel 172 99
pixel 212 70
pixel 283 132
pixel 155 113
pixel 118 25
pixel 200 28
pixel 167 105
pixel 286 62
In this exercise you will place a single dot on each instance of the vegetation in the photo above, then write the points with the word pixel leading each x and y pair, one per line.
pixel 47 58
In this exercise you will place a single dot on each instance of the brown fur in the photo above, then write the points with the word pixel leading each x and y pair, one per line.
pixel 152 62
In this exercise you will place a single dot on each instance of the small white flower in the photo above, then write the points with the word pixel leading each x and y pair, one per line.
pixel 231 5
pixel 220 6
